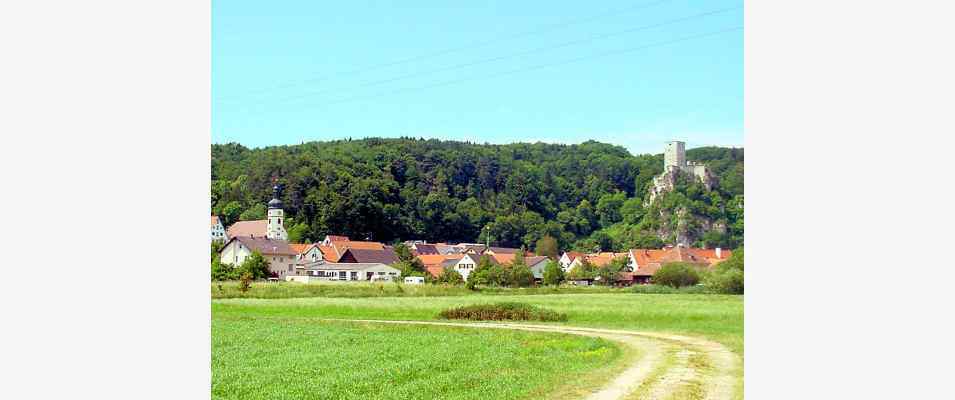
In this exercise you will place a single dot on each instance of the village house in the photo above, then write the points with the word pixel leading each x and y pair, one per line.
pixel 537 264
pixel 434 263
pixel 277 253
pixel 323 271
pixel 465 265
pixel 218 231
pixel 567 258
pixel 645 262
pixel 385 256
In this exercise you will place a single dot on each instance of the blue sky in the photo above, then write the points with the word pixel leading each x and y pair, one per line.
pixel 286 72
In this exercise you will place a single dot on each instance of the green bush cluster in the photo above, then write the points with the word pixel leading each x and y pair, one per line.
pixel 728 275
pixel 677 275
pixel 502 311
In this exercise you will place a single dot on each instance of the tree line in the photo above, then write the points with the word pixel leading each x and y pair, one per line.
pixel 588 196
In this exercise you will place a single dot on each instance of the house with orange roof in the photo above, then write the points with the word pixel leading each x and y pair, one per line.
pixel 645 262
pixel 567 258
pixel 434 263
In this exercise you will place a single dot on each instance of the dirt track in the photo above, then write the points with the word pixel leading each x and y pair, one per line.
pixel 700 369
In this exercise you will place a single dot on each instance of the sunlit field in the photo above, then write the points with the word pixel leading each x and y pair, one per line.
pixel 288 357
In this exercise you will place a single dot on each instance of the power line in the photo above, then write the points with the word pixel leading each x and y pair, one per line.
pixel 545 28
pixel 533 67
pixel 512 55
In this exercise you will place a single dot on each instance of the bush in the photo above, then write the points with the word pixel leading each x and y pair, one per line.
pixel 449 276
pixel 521 276
pixel 677 275
pixel 553 274
pixel 660 289
pixel 727 281
pixel 502 311
pixel 245 282
pixel 255 265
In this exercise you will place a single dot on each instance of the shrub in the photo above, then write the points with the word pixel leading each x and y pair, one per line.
pixel 449 276
pixel 553 274
pixel 502 311
pixel 245 282
pixel 521 276
pixel 255 265
pixel 727 281
pixel 677 275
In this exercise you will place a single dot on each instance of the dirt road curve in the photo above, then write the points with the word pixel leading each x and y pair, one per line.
pixel 672 367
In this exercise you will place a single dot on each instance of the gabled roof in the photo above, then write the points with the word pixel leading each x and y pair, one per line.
pixel 424 249
pixel 341 246
pixel 257 228
pixel 650 260
pixel 334 238
pixel 329 253
pixel 264 245
pixel 448 249
pixel 326 266
pixel 572 255
pixel 534 260
pixel 503 250
pixel 384 256
pixel 603 258
pixel 300 248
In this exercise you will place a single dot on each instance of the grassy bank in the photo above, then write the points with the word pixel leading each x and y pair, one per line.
pixel 290 357
pixel 288 290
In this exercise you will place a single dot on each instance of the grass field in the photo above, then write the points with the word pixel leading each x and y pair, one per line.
pixel 288 290
pixel 255 339
pixel 256 358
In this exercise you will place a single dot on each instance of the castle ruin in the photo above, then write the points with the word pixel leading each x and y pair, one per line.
pixel 674 162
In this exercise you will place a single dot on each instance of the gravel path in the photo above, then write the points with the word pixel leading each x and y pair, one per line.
pixel 718 380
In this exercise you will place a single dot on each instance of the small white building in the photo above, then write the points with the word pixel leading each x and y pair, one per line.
pixel 349 271
pixel 218 231
pixel 414 280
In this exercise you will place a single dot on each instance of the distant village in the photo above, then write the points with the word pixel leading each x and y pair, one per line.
pixel 339 258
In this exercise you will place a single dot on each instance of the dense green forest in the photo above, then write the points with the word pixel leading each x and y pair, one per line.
pixel 586 196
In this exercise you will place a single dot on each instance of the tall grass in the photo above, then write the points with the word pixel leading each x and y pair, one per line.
pixel 288 290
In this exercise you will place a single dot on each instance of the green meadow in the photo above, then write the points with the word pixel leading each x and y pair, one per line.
pixel 279 357
pixel 287 348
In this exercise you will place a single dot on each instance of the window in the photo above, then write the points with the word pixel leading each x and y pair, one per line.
pixel 354 275
pixel 290 268
pixel 342 275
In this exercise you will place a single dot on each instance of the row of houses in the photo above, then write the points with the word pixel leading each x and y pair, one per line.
pixel 641 264
pixel 339 258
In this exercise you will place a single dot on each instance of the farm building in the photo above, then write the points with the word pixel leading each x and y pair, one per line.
pixel 348 271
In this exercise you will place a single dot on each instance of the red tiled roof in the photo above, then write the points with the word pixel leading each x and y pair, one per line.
pixel 334 238
pixel 299 248
pixel 572 255
pixel 329 253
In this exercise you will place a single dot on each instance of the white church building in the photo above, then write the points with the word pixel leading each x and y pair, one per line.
pixel 273 245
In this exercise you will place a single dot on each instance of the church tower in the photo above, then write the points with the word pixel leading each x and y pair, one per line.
pixel 275 229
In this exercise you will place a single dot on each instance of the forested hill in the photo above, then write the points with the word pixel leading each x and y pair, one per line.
pixel 586 195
